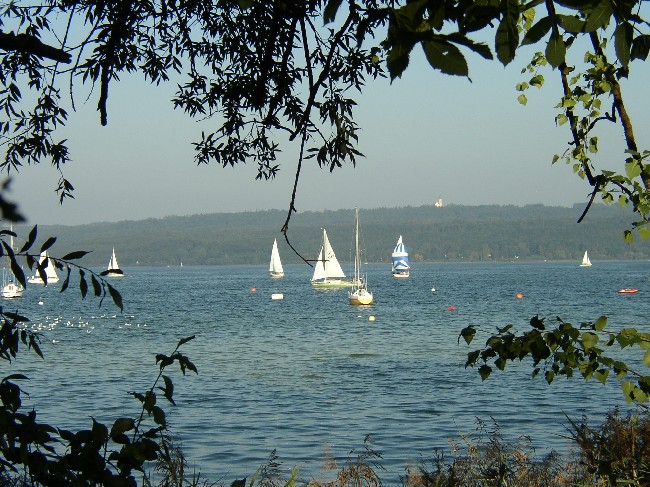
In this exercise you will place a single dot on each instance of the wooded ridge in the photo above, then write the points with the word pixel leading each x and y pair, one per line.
pixel 451 233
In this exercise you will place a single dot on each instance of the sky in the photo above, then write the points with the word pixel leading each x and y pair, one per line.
pixel 424 136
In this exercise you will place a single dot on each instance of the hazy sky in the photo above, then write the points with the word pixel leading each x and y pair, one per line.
pixel 425 136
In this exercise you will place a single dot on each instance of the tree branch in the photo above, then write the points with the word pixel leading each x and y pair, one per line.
pixel 29 44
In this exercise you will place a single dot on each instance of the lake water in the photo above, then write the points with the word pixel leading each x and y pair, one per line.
pixel 311 374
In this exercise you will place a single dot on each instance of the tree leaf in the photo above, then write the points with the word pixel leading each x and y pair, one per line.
pixel 589 340
pixel 622 41
pixel 48 243
pixel 30 240
pixel 83 285
pixel 75 255
pixel 329 13
pixel 555 50
pixel 571 23
pixel 601 323
pixel 640 47
pixel 115 296
pixel 537 31
pixel 446 57
pixel 507 36
pixel 599 16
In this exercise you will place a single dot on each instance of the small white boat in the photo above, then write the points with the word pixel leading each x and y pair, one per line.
pixel 11 289
pixel 359 294
pixel 50 271
pixel 275 266
pixel 328 272
pixel 585 260
pixel 400 258
pixel 113 267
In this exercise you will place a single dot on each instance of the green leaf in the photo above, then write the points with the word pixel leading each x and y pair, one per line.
pixel 646 358
pixel 83 285
pixel 183 341
pixel 640 47
pixel 522 99
pixel 507 37
pixel 30 240
pixel 632 169
pixel 485 371
pixel 644 233
pixel 168 390
pixel 97 288
pixel 159 416
pixel 599 16
pixel 446 57
pixel 601 375
pixel 622 40
pixel 628 389
pixel 75 255
pixel 601 323
pixel 571 23
pixel 398 59
pixel 589 340
pixel 537 31
pixel 555 50
pixel 48 243
pixel 329 13
pixel 122 425
pixel 468 334
pixel 115 296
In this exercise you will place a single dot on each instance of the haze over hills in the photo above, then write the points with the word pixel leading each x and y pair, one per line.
pixel 451 233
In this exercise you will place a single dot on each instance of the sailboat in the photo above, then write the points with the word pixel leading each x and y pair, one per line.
pixel 11 289
pixel 585 261
pixel 328 272
pixel 400 258
pixel 113 267
pixel 275 266
pixel 359 294
pixel 50 271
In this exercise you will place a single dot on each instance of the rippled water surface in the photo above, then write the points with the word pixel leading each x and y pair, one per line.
pixel 311 374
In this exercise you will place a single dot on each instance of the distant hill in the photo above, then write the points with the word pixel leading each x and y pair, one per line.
pixel 451 233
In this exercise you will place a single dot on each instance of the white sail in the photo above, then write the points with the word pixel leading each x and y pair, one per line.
pixel 275 266
pixel 319 268
pixel 585 260
pixel 332 266
pixel 113 266
pixel 50 270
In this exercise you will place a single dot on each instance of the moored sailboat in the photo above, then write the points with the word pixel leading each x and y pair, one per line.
pixel 275 266
pixel 113 267
pixel 585 260
pixel 400 258
pixel 327 271
pixel 10 288
pixel 359 294
pixel 50 271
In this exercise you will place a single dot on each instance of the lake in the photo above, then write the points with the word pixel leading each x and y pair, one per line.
pixel 309 375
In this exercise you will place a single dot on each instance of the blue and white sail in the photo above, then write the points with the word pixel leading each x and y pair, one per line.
pixel 400 257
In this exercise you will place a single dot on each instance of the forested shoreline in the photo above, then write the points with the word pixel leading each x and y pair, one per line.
pixel 452 233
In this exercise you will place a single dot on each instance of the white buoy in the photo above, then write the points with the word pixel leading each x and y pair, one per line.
pixel 276 296
pixel 371 318
pixel 433 289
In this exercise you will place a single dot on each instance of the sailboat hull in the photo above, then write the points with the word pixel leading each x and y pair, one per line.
pixel 400 274
pixel 276 274
pixel 332 283
pixel 360 297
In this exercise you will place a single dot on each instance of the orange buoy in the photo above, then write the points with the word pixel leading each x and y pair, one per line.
pixel 253 289
pixel 451 308
pixel 519 295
